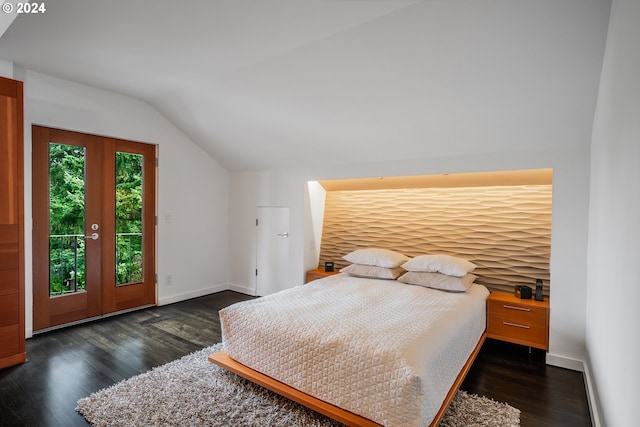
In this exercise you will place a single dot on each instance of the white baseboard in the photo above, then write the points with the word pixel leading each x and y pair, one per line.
pixel 565 362
pixel 580 366
pixel 192 294
pixel 242 289
pixel 592 396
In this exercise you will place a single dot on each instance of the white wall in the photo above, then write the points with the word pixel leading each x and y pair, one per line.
pixel 613 321
pixel 314 217
pixel 6 69
pixel 192 188
pixel 569 225
pixel 265 188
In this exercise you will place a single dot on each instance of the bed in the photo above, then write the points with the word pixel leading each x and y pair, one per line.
pixel 362 351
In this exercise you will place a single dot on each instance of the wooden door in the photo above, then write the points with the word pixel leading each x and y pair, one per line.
pixel 85 265
pixel 128 257
pixel 12 334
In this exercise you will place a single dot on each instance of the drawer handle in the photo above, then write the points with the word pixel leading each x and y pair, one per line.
pixel 516 325
pixel 513 307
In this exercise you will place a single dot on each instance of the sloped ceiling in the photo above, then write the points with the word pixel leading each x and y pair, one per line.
pixel 263 84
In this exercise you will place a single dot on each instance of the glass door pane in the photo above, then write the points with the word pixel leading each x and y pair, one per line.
pixel 67 218
pixel 129 192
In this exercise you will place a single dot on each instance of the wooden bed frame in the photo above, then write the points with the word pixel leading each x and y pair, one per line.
pixel 341 415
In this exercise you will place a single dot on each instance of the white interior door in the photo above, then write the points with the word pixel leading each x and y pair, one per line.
pixel 272 264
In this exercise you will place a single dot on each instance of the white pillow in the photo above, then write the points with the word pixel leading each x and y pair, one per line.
pixel 445 264
pixel 372 271
pixel 376 256
pixel 438 281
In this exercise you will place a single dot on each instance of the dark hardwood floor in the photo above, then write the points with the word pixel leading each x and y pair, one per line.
pixel 68 364
pixel 545 395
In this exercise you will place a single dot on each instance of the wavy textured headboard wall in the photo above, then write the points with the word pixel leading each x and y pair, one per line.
pixel 504 230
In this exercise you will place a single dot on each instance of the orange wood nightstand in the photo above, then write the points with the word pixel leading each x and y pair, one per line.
pixel 520 321
pixel 319 273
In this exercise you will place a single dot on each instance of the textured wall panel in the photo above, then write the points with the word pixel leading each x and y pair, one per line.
pixel 505 231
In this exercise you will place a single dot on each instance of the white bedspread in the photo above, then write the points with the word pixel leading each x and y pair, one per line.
pixel 379 348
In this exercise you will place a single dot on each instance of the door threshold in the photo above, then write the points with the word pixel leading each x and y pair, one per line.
pixel 91 319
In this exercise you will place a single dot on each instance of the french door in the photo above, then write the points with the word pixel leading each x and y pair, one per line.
pixel 93 226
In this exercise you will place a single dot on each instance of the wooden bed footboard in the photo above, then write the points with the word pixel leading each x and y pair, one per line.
pixel 341 415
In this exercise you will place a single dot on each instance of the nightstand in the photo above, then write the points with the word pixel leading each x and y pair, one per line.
pixel 520 321
pixel 318 273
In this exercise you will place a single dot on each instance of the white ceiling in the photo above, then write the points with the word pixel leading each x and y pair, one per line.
pixel 263 84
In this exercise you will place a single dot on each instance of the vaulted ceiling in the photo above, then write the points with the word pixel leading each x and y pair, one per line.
pixel 262 84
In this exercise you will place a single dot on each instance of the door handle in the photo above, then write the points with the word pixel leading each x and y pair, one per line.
pixel 92 236
pixel 283 234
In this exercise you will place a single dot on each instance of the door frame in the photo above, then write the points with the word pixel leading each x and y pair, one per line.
pixel 265 271
pixel 99 299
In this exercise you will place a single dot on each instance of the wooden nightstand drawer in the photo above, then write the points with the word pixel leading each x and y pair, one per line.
pixel 520 313
pixel 518 333
pixel 519 321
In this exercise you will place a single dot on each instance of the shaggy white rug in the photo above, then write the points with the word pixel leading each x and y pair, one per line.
pixel 191 391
